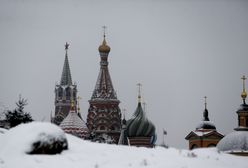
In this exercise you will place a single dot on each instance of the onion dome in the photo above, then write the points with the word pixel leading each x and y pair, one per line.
pixel 236 141
pixel 139 125
pixel 205 123
pixel 104 48
pixel 74 125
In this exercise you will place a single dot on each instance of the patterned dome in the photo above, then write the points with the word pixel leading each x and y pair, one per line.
pixel 74 125
pixel 139 125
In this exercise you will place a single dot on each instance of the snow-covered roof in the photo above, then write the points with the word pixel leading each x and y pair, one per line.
pixel 74 125
pixel 202 133
pixel 236 141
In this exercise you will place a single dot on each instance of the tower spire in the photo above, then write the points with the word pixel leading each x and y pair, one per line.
pixel 66 74
pixel 244 94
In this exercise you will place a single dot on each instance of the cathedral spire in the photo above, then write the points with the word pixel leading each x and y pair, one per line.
pixel 66 74
pixel 244 94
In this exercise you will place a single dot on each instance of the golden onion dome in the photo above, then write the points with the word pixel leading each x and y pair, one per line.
pixel 104 47
pixel 244 95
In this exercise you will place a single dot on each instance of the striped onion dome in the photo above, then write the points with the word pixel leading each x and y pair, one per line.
pixel 74 125
pixel 139 125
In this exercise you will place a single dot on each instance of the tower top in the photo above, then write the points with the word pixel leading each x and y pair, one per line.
pixel 66 46
pixel 66 74
pixel 205 102
pixel 104 48
pixel 244 94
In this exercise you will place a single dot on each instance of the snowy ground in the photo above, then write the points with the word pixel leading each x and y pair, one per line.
pixel 92 155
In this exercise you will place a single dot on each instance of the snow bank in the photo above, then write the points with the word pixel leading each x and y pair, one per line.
pixel 25 138
pixel 3 131
pixel 93 155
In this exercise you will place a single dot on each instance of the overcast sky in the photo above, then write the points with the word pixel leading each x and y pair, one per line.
pixel 180 51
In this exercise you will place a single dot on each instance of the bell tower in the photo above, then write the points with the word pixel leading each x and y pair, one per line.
pixel 65 92
pixel 104 114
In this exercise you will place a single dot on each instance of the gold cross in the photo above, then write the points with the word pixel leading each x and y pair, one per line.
pixel 104 30
pixel 244 78
pixel 139 91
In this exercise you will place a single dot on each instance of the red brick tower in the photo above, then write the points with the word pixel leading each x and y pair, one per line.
pixel 64 92
pixel 104 114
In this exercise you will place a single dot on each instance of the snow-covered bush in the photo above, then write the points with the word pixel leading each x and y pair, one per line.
pixel 34 138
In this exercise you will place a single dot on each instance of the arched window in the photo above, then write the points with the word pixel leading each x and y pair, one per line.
pixel 211 145
pixel 68 93
pixel 102 128
pixel 112 128
pixel 194 146
pixel 60 92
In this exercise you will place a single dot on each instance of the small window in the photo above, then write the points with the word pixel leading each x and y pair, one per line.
pixel 211 145
pixel 102 128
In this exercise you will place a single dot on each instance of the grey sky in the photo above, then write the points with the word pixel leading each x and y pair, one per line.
pixel 179 50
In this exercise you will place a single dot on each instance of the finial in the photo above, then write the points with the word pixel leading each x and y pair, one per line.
pixel 78 99
pixel 104 48
pixel 139 92
pixel 104 31
pixel 72 105
pixel 205 101
pixel 244 94
pixel 66 46
pixel 124 113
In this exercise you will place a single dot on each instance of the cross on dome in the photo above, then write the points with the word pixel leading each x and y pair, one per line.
pixel 205 101
pixel 139 92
